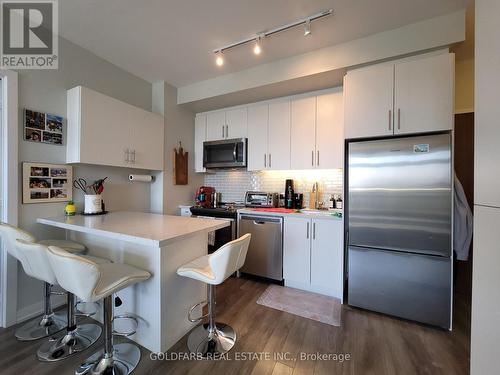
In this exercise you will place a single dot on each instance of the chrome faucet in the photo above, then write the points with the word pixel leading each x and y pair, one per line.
pixel 316 195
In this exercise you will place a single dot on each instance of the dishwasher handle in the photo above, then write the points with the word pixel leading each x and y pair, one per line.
pixel 260 220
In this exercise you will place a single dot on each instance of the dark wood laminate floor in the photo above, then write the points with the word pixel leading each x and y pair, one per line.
pixel 377 344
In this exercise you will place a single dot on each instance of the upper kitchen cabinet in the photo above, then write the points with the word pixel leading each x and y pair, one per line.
pixel 200 135
pixel 104 131
pixel 216 125
pixel 258 153
pixel 228 124
pixel 303 133
pixel 269 136
pixel 411 96
pixel 236 123
pixel 317 131
pixel 330 130
pixel 279 135
pixel 423 99
pixel 368 99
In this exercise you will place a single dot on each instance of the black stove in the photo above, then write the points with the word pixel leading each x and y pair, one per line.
pixel 225 210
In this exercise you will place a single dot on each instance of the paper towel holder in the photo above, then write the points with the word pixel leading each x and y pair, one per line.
pixel 141 178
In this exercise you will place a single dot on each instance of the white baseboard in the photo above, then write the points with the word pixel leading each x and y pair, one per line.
pixel 36 309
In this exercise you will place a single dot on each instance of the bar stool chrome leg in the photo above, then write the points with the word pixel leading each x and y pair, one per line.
pixel 47 325
pixel 74 340
pixel 211 339
pixel 120 359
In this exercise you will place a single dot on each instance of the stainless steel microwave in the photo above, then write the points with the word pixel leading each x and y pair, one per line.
pixel 227 153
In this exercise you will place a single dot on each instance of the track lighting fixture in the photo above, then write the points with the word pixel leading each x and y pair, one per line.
pixel 257 49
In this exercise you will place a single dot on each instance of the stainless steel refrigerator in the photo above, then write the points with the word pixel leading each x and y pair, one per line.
pixel 399 213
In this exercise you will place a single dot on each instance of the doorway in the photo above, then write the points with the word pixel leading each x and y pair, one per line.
pixel 8 191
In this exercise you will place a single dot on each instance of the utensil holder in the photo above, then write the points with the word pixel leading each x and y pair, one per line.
pixel 93 203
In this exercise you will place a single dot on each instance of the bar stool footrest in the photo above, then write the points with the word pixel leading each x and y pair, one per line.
pixel 190 312
pixel 126 317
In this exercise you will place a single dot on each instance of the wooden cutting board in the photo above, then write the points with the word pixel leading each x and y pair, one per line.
pixel 180 166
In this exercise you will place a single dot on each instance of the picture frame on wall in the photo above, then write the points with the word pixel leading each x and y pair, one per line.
pixel 47 183
pixel 43 127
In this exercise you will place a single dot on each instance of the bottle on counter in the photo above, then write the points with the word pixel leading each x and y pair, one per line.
pixel 289 195
pixel 339 203
pixel 332 201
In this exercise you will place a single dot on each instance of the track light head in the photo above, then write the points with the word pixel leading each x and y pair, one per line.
pixel 219 60
pixel 307 28
pixel 257 49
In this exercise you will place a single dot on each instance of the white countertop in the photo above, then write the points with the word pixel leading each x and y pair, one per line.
pixel 313 214
pixel 139 227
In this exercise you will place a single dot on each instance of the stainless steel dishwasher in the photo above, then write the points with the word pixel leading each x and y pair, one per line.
pixel 265 253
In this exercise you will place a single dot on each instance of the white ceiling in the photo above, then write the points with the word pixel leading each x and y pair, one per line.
pixel 172 40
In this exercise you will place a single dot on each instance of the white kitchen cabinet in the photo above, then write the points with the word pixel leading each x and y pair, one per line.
pixel 258 116
pixel 296 251
pixel 317 125
pixel 313 255
pixel 105 131
pixel 303 133
pixel 330 130
pixel 279 135
pixel 368 101
pixel 236 123
pixel 200 135
pixel 216 125
pixel 409 96
pixel 423 99
pixel 327 259
pixel 147 145
pixel 227 124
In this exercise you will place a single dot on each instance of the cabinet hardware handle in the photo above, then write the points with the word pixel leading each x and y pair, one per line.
pixel 265 160
pixel 314 231
pixel 269 160
pixel 390 115
pixel 227 131
pixel 133 159
pixel 127 155
pixel 399 118
pixel 307 231
pixel 317 159
pixel 312 158
pixel 222 131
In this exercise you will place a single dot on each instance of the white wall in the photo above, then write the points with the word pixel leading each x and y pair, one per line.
pixel 464 86
pixel 485 328
pixel 179 126
pixel 45 90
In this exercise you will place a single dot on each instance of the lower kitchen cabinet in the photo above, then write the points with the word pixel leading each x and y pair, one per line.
pixel 313 255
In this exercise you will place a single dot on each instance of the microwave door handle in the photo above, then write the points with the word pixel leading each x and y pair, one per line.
pixel 234 152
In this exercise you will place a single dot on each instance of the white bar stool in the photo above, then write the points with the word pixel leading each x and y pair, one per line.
pixel 36 264
pixel 212 339
pixel 92 282
pixel 49 323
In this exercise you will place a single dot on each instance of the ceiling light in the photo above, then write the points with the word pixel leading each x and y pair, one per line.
pixel 219 60
pixel 256 49
pixel 307 28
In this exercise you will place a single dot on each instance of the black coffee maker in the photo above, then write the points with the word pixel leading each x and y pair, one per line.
pixel 289 195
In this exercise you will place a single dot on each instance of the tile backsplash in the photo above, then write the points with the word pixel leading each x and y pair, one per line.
pixel 233 184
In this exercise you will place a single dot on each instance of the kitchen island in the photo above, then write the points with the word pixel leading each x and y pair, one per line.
pixel 156 243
